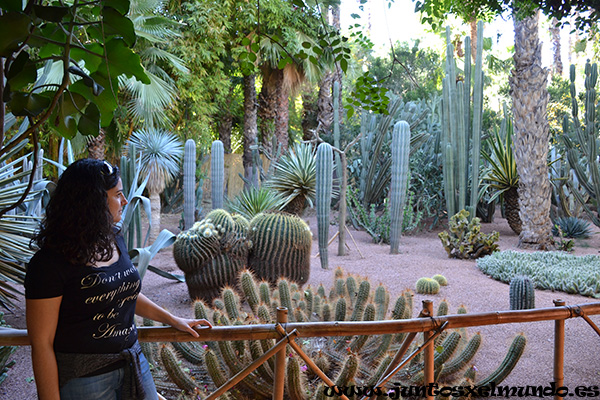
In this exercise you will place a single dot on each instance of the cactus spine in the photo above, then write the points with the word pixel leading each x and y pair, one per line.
pixel 217 173
pixel 189 183
pixel 398 188
pixel 324 187
pixel 461 132
pixel 522 294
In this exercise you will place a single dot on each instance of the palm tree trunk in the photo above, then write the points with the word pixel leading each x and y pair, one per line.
pixel 97 146
pixel 268 99
pixel 531 136
pixel 557 66
pixel 250 127
pixel 154 214
pixel 282 117
pixel 325 102
pixel 473 24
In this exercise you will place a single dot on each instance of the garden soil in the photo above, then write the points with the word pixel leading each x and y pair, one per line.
pixel 421 255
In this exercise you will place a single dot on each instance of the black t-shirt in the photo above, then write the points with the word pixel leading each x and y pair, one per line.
pixel 98 305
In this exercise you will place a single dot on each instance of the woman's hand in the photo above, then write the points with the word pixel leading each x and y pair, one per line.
pixel 187 325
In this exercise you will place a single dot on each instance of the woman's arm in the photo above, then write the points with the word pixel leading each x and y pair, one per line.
pixel 145 308
pixel 42 319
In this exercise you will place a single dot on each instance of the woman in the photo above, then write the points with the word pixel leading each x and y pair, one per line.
pixel 82 292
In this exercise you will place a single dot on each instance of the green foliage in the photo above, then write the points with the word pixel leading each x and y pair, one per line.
pixel 359 360
pixel 521 293
pixel 464 239
pixel 253 201
pixel 571 227
pixel 548 270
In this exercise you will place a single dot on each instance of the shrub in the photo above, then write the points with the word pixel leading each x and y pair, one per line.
pixel 548 270
pixel 571 227
pixel 464 239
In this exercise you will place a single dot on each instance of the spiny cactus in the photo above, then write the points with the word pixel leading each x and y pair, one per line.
pixel 522 294
pixel 189 183
pixel 399 185
pixel 360 360
pixel 211 255
pixel 441 279
pixel 427 286
pixel 217 173
pixel 280 247
pixel 324 179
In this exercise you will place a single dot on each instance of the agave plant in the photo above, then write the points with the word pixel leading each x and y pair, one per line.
pixel 295 178
pixel 16 229
pixel 253 201
pixel 161 153
pixel 501 178
pixel 571 227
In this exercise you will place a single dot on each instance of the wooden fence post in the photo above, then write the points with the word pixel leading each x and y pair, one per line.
pixel 280 359
pixel 559 350
pixel 429 349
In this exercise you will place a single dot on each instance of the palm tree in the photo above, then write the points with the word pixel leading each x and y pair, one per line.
pixel 161 153
pixel 531 135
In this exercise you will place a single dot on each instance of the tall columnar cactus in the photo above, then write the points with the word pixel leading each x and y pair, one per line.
pixel 582 146
pixel 217 173
pixel 280 247
pixel 399 185
pixel 522 294
pixel 324 179
pixel 461 130
pixel 211 255
pixel 189 184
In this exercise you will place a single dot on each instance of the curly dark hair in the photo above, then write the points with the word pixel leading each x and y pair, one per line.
pixel 78 223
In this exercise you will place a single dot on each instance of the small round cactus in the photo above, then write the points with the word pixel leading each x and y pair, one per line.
pixel 441 279
pixel 427 286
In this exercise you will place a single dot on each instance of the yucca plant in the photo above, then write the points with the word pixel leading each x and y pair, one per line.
pixel 295 178
pixel 161 153
pixel 253 201
pixel 500 178
pixel 571 227
pixel 16 229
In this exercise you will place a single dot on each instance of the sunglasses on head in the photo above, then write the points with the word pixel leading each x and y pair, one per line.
pixel 106 169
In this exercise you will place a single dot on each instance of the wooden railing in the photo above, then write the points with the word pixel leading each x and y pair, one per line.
pixel 426 322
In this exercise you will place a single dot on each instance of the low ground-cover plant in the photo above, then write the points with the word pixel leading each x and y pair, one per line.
pixel 548 270
pixel 464 239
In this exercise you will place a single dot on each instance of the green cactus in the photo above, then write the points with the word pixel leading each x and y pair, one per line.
pixel 462 131
pixel 522 294
pixel 217 174
pixel 427 286
pixel 211 254
pixel 232 302
pixel 324 179
pixel 248 285
pixel 440 279
pixel 399 185
pixel 175 371
pixel 296 382
pixel 285 297
pixel 281 246
pixel 508 364
pixel 189 184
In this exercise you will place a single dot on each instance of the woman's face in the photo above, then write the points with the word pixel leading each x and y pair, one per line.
pixel 116 201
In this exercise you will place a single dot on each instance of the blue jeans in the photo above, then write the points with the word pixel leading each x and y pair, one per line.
pixel 107 386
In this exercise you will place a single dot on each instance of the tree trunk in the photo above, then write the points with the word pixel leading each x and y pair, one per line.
pixel 154 215
pixel 557 66
pixel 309 115
pixel 250 127
pixel 282 117
pixel 225 123
pixel 97 146
pixel 325 102
pixel 531 136
pixel 473 24
pixel 268 100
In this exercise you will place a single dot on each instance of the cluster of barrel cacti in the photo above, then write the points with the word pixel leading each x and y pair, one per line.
pixel 353 360
pixel 427 286
pixel 214 250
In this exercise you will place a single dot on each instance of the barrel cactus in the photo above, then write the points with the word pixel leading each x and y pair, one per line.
pixel 281 246
pixel 212 253
pixel 427 286
pixel 522 294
